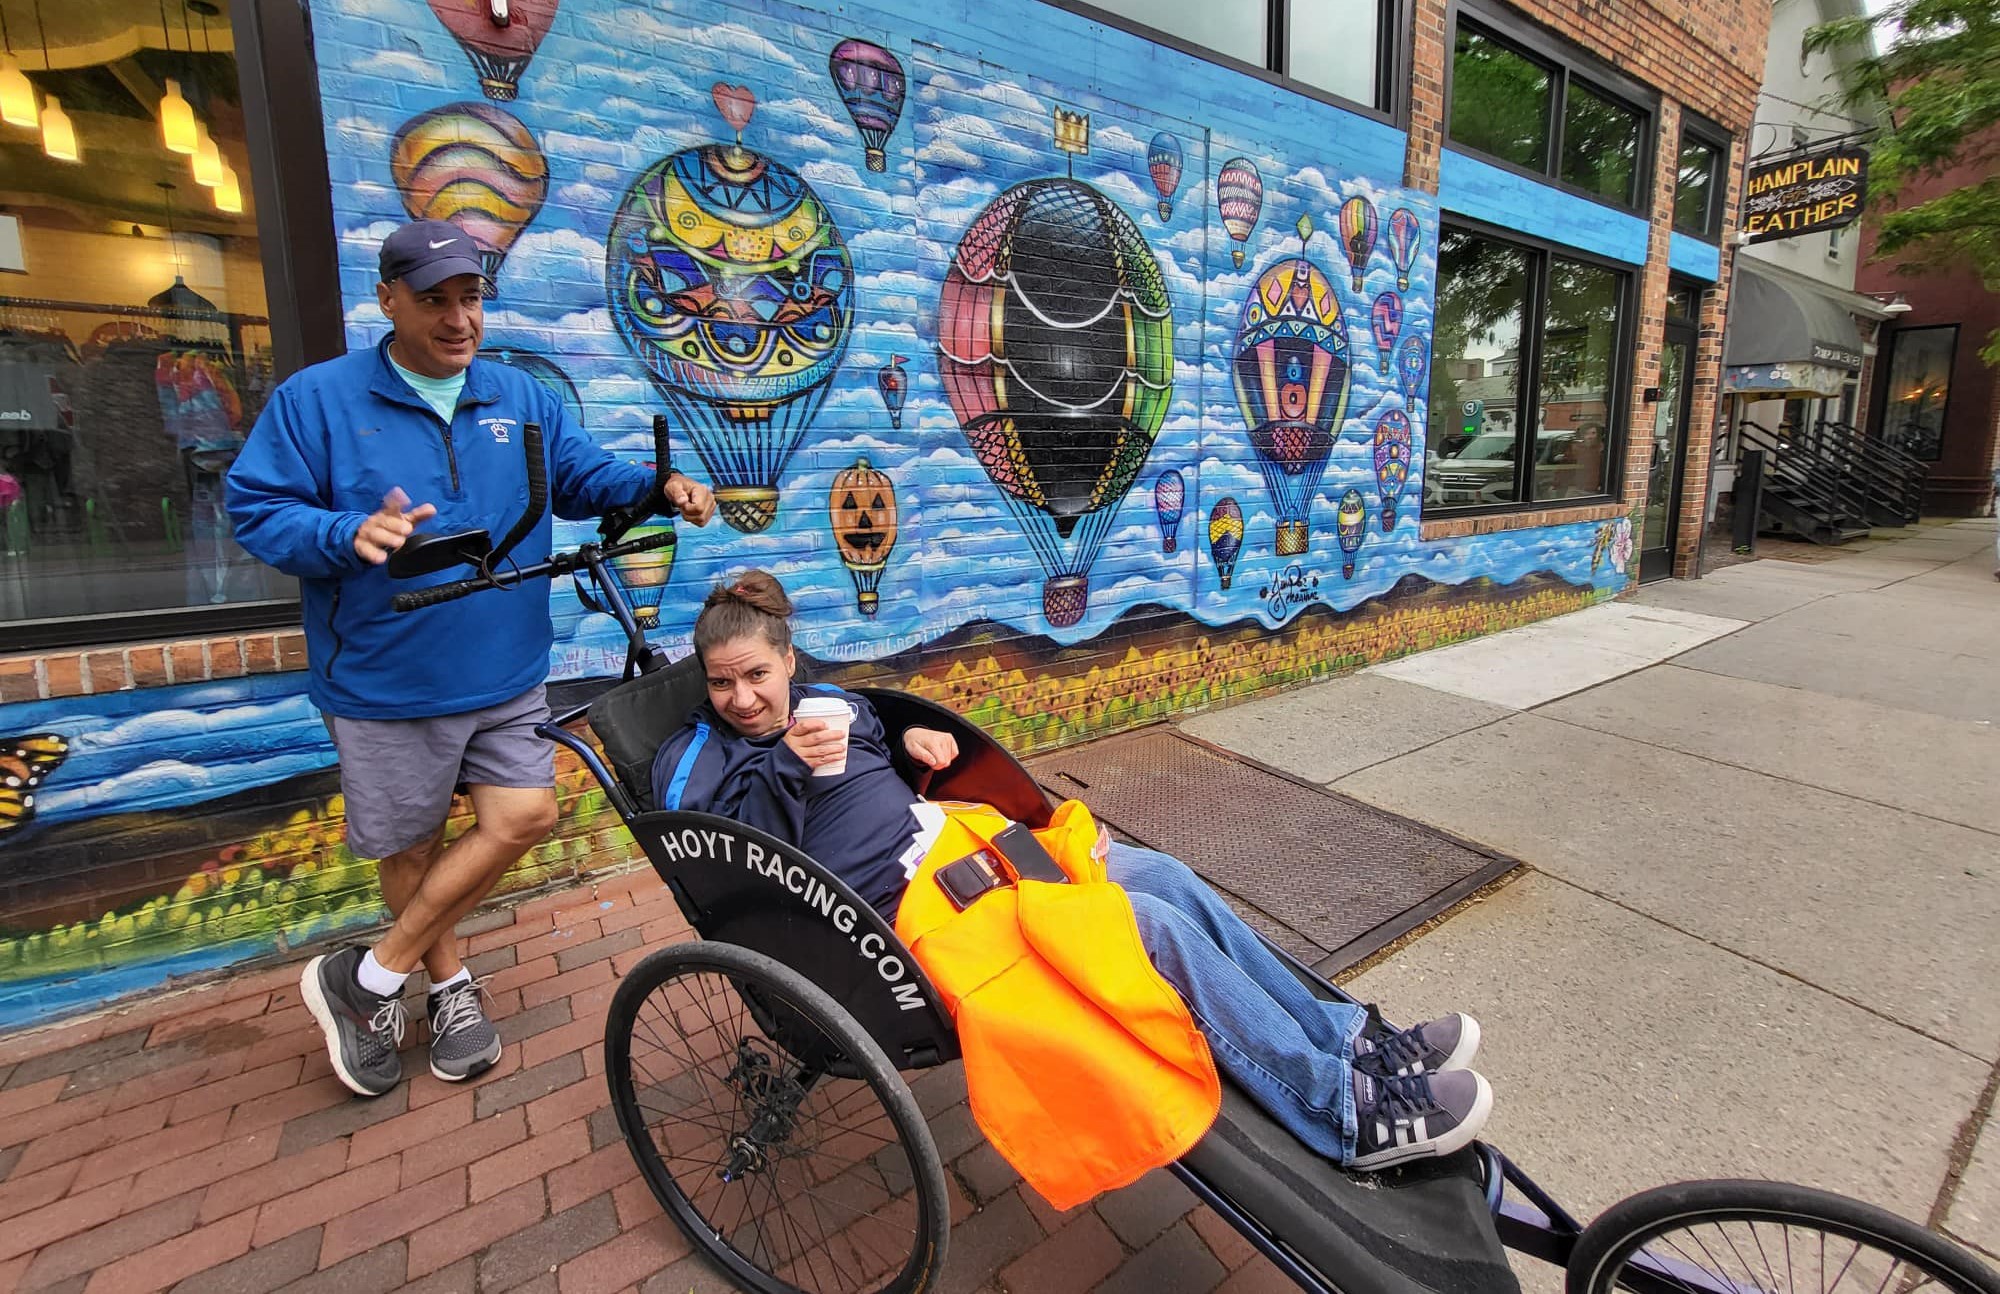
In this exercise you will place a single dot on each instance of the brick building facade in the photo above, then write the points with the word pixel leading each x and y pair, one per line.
pixel 1489 433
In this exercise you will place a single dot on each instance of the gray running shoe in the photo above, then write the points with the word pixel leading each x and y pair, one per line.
pixel 1446 1043
pixel 1418 1117
pixel 362 1029
pixel 464 1043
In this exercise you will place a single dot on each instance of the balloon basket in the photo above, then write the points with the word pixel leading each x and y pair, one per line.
pixel 1294 537
pixel 498 90
pixel 748 509
pixel 1357 282
pixel 878 161
pixel 1236 255
pixel 1166 211
pixel 1347 570
pixel 489 267
pixel 1065 598
pixel 1388 516
pixel 869 602
pixel 646 617
pixel 1168 544
pixel 1403 283
pixel 1225 578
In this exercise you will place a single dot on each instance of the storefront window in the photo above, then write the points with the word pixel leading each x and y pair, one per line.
pixel 1500 101
pixel 1482 301
pixel 1694 188
pixel 1601 141
pixel 1919 389
pixel 1337 46
pixel 1579 343
pixel 1528 354
pixel 1237 28
pixel 135 351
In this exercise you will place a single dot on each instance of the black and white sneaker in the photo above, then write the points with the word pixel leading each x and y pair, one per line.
pixel 464 1043
pixel 1435 1046
pixel 1420 1116
pixel 363 1030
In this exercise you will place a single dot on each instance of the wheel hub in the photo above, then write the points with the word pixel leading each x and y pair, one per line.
pixel 771 1097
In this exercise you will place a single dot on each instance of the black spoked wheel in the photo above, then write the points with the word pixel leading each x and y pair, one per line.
pixel 772 1128
pixel 1744 1237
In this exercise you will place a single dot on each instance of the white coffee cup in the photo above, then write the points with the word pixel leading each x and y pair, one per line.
pixel 834 713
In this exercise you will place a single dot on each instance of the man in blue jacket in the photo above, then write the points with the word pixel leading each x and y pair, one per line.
pixel 348 458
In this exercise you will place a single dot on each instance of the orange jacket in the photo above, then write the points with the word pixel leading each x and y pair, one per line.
pixel 1084 1067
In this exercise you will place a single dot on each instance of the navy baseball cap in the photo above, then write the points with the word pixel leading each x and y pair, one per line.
pixel 424 253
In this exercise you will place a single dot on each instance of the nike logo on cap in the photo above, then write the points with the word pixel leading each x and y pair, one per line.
pixel 446 243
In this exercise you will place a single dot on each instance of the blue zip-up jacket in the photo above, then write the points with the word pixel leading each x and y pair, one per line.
pixel 337 437
pixel 857 824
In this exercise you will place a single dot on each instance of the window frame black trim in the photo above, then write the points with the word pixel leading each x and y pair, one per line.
pixel 278 82
pixel 1617 400
pixel 1563 58
pixel 1707 132
pixel 1392 62
pixel 1881 397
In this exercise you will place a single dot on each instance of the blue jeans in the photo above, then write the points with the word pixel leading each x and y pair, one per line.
pixel 1285 1047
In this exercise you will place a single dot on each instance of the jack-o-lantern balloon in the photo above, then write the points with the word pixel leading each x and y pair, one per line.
pixel 862 506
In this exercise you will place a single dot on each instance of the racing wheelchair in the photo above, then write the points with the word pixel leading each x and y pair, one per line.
pixel 757 1073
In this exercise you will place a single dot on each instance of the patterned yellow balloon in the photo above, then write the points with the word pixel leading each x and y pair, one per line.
pixel 476 166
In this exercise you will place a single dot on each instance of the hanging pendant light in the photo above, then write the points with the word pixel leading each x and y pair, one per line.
pixel 17 92
pixel 58 136
pixel 177 121
pixel 207 159
pixel 229 193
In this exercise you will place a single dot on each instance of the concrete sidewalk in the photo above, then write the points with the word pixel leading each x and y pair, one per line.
pixel 1756 935
pixel 1759 930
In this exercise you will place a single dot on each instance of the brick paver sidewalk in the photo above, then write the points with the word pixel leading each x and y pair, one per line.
pixel 199 1142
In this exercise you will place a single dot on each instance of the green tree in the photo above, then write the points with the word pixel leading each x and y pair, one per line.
pixel 1939 74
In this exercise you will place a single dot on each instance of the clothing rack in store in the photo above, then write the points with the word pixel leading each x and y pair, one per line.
pixel 233 324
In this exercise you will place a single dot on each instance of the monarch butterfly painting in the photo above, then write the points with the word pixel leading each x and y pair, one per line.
pixel 24 763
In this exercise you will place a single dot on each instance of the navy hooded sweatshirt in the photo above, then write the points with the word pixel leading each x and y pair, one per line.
pixel 856 824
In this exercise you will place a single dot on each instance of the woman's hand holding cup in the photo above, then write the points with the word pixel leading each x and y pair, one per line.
pixel 818 734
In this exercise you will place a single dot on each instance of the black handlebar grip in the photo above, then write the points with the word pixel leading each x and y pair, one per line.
pixel 430 597
pixel 663 538
pixel 662 453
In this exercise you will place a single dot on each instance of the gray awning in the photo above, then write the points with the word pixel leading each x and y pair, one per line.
pixel 1772 321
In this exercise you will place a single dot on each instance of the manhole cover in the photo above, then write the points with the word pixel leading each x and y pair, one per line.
pixel 1328 878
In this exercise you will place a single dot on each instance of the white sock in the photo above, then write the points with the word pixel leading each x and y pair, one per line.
pixel 464 976
pixel 377 978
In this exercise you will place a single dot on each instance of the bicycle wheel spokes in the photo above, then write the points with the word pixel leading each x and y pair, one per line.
pixel 1762 1256
pixel 797 1172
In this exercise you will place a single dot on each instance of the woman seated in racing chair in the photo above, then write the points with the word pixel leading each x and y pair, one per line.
pixel 1365 1097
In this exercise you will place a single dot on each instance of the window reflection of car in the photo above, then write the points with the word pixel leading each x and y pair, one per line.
pixel 1482 470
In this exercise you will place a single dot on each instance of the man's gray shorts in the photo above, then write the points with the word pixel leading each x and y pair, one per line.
pixel 398 775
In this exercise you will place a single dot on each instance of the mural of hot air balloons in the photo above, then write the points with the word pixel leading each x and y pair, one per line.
pixel 1410 370
pixel 476 166
pixel 1357 235
pixel 1353 522
pixel 1386 321
pixel 1392 462
pixel 728 278
pixel 862 508
pixel 1239 194
pixel 1405 237
pixel 871 84
pixel 642 577
pixel 499 51
pixel 1225 538
pixel 1055 347
pixel 894 384
pixel 1169 497
pixel 543 370
pixel 1163 162
pixel 1291 376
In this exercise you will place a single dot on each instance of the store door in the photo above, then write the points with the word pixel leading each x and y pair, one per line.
pixel 1670 433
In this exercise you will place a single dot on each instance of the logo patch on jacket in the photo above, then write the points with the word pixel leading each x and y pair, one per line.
pixel 502 429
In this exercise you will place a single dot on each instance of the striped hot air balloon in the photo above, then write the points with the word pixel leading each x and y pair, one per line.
pixel 1169 498
pixel 1225 537
pixel 1239 194
pixel 476 166
pixel 1163 163
pixel 1357 235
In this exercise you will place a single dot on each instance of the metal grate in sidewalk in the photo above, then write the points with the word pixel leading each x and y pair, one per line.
pixel 1326 877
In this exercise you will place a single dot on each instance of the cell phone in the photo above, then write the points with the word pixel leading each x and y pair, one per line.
pixel 969 878
pixel 1027 858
